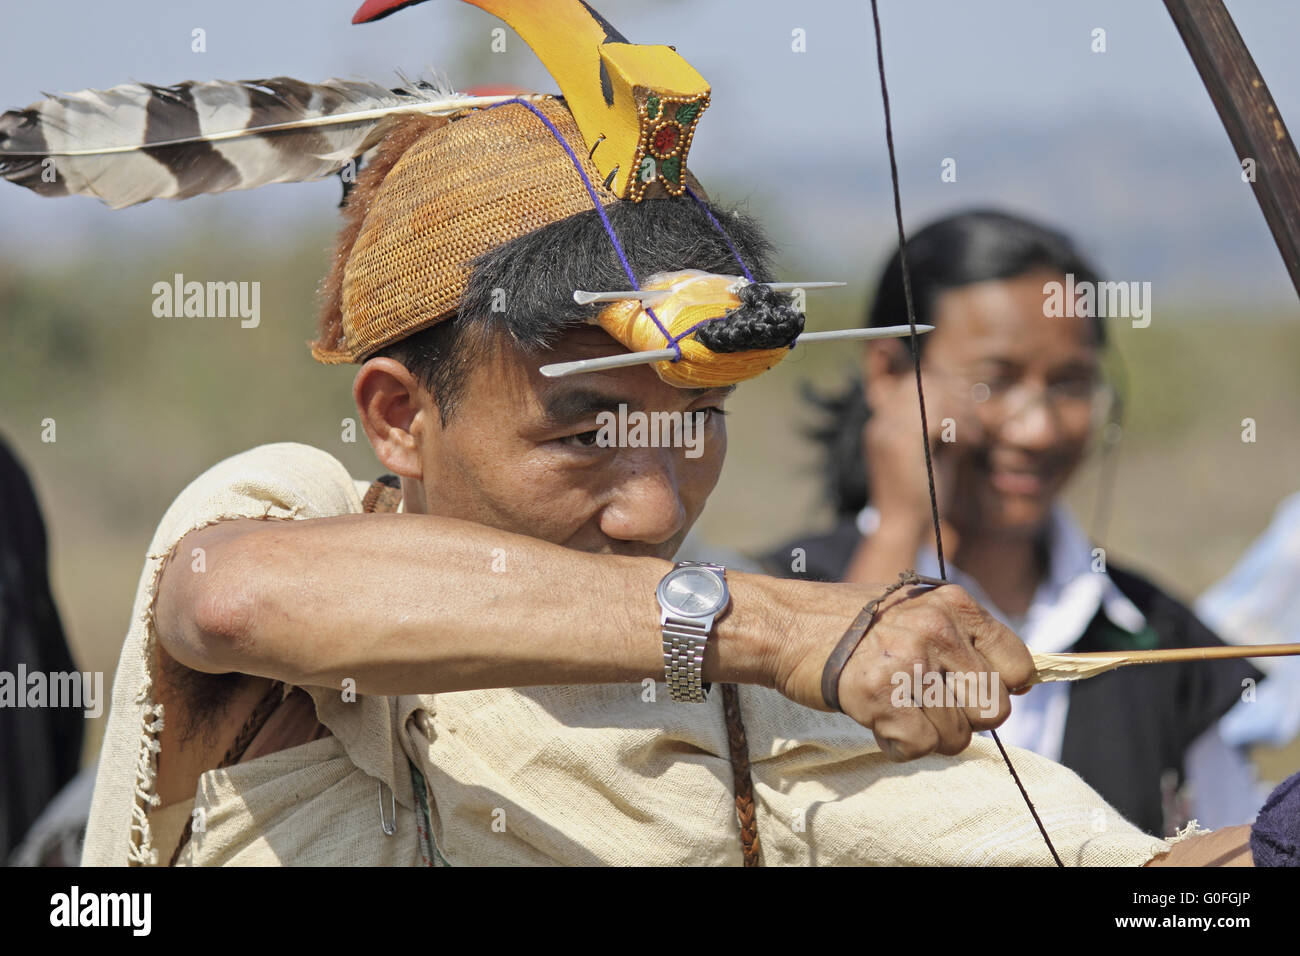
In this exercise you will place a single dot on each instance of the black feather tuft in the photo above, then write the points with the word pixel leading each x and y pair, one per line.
pixel 527 284
pixel 765 320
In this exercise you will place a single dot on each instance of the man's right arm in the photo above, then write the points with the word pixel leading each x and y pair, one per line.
pixel 411 604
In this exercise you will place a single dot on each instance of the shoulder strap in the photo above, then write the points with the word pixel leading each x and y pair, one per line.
pixel 383 496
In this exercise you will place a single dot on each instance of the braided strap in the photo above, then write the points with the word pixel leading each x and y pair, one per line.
pixel 839 658
pixel 267 706
pixel 739 746
pixel 383 496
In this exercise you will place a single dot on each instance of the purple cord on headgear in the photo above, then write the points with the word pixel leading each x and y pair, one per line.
pixel 722 232
pixel 613 237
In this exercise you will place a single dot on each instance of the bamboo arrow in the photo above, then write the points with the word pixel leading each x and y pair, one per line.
pixel 1058 667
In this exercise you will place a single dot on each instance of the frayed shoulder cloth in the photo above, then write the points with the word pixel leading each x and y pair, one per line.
pixel 315 804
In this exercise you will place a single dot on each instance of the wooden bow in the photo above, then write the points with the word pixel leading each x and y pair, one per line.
pixel 1250 116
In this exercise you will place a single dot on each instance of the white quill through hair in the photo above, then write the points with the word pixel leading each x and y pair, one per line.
pixel 137 142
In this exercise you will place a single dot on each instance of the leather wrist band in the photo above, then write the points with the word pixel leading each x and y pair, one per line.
pixel 839 658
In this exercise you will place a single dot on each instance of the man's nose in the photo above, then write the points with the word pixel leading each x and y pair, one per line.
pixel 1030 418
pixel 647 504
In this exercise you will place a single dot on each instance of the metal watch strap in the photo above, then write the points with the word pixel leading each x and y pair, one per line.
pixel 684 659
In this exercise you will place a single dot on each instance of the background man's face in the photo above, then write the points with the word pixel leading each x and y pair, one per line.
pixel 520 453
pixel 1029 427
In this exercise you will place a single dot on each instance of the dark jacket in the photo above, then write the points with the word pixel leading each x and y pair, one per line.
pixel 40 748
pixel 1126 732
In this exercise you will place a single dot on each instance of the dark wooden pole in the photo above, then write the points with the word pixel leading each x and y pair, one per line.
pixel 1250 116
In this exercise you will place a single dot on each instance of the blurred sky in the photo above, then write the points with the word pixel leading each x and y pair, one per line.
pixel 1123 148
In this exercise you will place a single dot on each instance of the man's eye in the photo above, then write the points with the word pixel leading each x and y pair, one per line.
pixel 583 440
pixel 1076 387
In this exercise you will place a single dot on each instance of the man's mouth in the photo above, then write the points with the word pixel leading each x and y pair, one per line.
pixel 1031 481
pixel 1028 483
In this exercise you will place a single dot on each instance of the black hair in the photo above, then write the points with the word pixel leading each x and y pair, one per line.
pixel 525 287
pixel 970 247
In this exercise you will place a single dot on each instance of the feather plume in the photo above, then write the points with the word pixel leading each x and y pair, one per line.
pixel 137 142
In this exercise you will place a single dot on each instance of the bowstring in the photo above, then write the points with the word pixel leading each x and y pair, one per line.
pixel 920 392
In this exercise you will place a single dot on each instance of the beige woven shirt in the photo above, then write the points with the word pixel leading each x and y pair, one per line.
pixel 609 774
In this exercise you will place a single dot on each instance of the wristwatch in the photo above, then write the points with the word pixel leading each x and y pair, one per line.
pixel 691 596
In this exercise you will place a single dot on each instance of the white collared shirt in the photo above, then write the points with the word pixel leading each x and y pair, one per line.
pixel 1222 783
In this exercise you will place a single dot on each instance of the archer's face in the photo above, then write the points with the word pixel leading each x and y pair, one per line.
pixel 1024 389
pixel 522 453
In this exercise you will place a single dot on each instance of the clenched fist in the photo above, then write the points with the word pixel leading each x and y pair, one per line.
pixel 933 667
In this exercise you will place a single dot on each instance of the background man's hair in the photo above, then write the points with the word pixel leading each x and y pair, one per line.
pixel 524 288
pixel 976 246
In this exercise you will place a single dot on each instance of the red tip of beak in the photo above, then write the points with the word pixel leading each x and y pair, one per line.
pixel 378 9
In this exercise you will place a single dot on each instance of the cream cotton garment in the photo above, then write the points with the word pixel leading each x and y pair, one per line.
pixel 599 775
pixel 317 804
pixel 570 775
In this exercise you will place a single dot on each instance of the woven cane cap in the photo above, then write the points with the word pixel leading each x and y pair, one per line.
pixel 460 190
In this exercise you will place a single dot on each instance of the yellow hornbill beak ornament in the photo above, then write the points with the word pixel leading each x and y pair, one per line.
pixel 637 107
pixel 684 300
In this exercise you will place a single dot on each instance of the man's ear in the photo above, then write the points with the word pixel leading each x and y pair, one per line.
pixel 396 411
pixel 882 361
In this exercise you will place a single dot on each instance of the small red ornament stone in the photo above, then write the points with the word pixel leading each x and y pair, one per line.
pixel 665 139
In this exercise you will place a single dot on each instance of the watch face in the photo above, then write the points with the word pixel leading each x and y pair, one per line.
pixel 694 592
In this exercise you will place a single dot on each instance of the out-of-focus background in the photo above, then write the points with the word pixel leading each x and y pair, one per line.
pixel 1120 148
